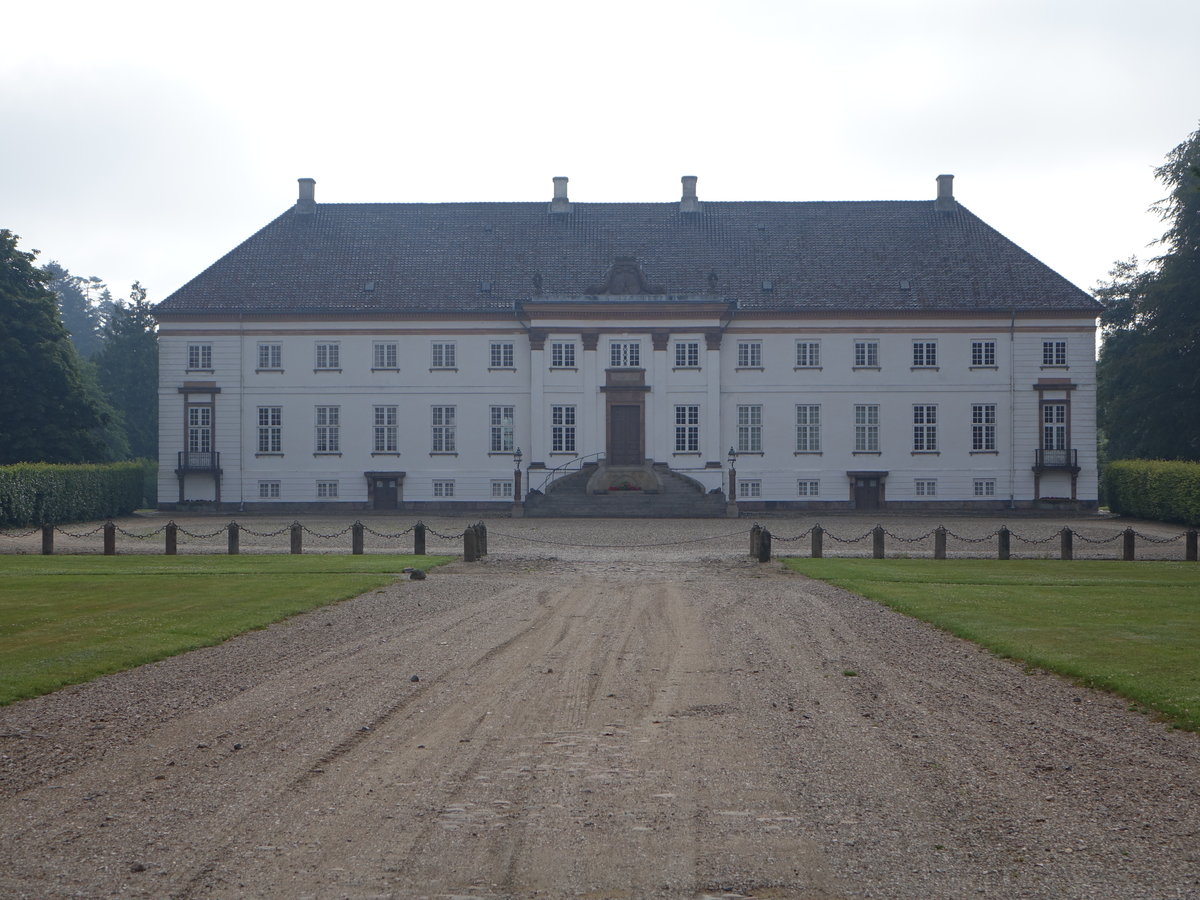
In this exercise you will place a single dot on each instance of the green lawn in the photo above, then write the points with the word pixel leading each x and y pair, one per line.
pixel 1128 627
pixel 69 619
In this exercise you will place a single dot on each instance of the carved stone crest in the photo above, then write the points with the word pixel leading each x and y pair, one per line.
pixel 625 276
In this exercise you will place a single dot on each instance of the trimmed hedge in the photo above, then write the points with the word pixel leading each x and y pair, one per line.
pixel 1154 489
pixel 47 494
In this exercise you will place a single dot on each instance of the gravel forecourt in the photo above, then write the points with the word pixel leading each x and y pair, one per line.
pixel 655 719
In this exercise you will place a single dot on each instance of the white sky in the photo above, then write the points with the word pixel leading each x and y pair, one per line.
pixel 143 140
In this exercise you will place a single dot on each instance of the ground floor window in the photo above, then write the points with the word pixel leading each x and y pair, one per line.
pixel 327 489
pixel 268 490
pixel 562 429
pixel 443 489
pixel 748 488
pixel 502 489
pixel 808 487
pixel 687 429
pixel 985 487
pixel 926 487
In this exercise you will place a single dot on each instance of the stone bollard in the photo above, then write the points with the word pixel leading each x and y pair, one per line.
pixel 755 536
pixel 483 550
pixel 470 545
pixel 1129 545
pixel 818 542
pixel 47 540
pixel 172 535
pixel 1005 542
pixel 110 539
pixel 356 539
pixel 877 542
pixel 764 546
pixel 1066 544
pixel 235 532
pixel 419 539
pixel 297 536
pixel 1189 552
pixel 939 542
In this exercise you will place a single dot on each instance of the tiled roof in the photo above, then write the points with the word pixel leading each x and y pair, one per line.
pixel 464 257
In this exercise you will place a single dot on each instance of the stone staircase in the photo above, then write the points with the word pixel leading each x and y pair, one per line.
pixel 664 495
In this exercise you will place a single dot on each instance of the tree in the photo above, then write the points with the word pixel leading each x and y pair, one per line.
pixel 127 369
pixel 80 316
pixel 1149 370
pixel 45 413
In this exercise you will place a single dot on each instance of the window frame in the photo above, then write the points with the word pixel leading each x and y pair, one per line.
pixel 1054 354
pixel 563 424
pixel 687 354
pixel 385 428
pixel 866 353
pixel 328 429
pixel 444 428
pixel 808 354
pixel 749 355
pixel 925 354
pixel 983 427
pixel 808 487
pixel 925 422
pixel 270 430
pixel 270 357
pixel 199 358
pixel 749 428
pixel 866 428
pixel 687 428
pixel 500 428
pixel 625 354
pixel 562 355
pixel 385 356
pixel 443 355
pixel 502 355
pixel 808 431
pixel 327 356
pixel 983 353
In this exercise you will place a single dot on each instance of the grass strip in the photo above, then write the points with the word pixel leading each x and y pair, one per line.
pixel 70 619
pixel 1132 628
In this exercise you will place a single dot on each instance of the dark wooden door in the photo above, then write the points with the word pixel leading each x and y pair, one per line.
pixel 625 436
pixel 384 493
pixel 866 493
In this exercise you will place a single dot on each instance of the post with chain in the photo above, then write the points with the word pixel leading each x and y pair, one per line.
pixel 47 540
pixel 1189 552
pixel 818 542
pixel 764 546
pixel 939 542
pixel 1067 544
pixel 110 539
pixel 235 532
pixel 755 535
pixel 419 539
pixel 172 538
pixel 297 536
pixel 1005 542
pixel 877 542
pixel 483 548
pixel 1129 545
pixel 470 544
pixel 356 539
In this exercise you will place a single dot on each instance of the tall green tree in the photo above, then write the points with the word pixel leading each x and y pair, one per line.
pixel 45 412
pixel 127 369
pixel 81 315
pixel 1149 370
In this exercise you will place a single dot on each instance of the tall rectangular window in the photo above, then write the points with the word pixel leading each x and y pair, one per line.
pixel 385 355
pixel 562 429
pixel 924 428
pixel 385 429
pixel 808 428
pixel 1054 353
pixel 983 353
pixel 443 355
pixel 199 429
pixel 501 429
pixel 1054 426
pixel 200 357
pixel 749 354
pixel 924 354
pixel 328 356
pixel 562 355
pixel 866 354
pixel 328 429
pixel 687 355
pixel 687 429
pixel 270 356
pixel 983 426
pixel 501 355
pixel 808 354
pixel 749 433
pixel 866 428
pixel 443 429
pixel 270 429
pixel 625 354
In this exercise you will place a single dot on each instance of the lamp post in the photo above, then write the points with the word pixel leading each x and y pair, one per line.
pixel 732 475
pixel 518 507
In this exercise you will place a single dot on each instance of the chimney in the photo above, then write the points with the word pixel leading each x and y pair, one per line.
pixel 945 193
pixel 688 202
pixel 560 203
pixel 307 200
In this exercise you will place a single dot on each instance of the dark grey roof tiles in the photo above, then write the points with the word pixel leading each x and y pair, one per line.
pixel 835 257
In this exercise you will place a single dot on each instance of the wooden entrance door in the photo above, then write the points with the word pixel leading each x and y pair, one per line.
pixel 625 446
pixel 866 492
pixel 385 493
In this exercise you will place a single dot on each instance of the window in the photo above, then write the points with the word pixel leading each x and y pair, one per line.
pixel 1054 426
pixel 808 428
pixel 385 429
pixel 926 487
pixel 443 355
pixel 502 489
pixel 985 487
pixel 502 429
pixel 749 488
pixel 443 429
pixel 749 433
pixel 866 354
pixel 328 431
pixel 807 487
pixel 866 428
pixel 924 354
pixel 327 356
pixel 687 355
pixel 983 427
pixel 562 429
pixel 268 490
pixel 983 353
pixel 443 489
pixel 270 356
pixel 199 429
pixel 1054 353
pixel 386 355
pixel 924 428
pixel 200 357
pixel 562 355
pixel 687 429
pixel 808 355
pixel 502 355
pixel 270 429
pixel 327 490
pixel 749 355
pixel 625 354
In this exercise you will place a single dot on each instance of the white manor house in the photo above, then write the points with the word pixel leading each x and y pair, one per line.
pixel 564 358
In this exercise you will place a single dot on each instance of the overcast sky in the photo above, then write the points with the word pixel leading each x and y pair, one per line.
pixel 143 140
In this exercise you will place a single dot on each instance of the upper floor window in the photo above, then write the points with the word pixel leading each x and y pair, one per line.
pixel 328 429
pixel 501 429
pixel 1054 353
pixel 749 355
pixel 983 427
pixel 200 357
pixel 270 429
pixel 385 355
pixel 687 355
pixel 1054 426
pixel 502 355
pixel 625 354
pixel 866 354
pixel 808 428
pixel 328 356
pixel 443 429
pixel 924 354
pixel 270 356
pixel 866 428
pixel 924 428
pixel 687 429
pixel 562 355
pixel 443 355
pixel 808 354
pixel 983 353
pixel 385 429
pixel 749 433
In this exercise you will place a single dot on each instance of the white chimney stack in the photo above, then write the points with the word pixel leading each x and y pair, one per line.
pixel 688 202
pixel 560 203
